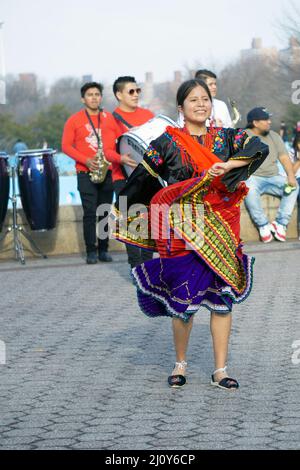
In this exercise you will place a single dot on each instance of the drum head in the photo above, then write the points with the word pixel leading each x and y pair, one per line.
pixel 36 153
pixel 136 140
pixel 134 146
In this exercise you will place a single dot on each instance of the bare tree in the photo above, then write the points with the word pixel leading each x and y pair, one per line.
pixel 290 24
pixel 255 82
pixel 24 97
pixel 66 92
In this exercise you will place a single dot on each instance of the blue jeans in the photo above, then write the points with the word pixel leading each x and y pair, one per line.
pixel 274 186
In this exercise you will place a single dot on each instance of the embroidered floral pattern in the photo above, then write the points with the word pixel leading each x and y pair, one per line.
pixel 154 156
pixel 239 139
pixel 219 141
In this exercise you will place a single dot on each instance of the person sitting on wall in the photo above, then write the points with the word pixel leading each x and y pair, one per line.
pixel 267 179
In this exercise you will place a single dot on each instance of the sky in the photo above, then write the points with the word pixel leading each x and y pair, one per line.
pixel 56 38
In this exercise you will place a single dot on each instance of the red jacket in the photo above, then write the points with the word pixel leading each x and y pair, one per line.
pixel 79 141
pixel 114 131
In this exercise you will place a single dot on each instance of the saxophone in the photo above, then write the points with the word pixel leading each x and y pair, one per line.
pixel 98 176
pixel 236 113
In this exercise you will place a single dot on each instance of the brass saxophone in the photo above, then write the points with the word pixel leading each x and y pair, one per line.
pixel 99 175
pixel 236 113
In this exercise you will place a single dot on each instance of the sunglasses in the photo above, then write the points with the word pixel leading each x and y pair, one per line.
pixel 132 91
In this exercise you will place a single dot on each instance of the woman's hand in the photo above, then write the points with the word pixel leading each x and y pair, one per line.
pixel 219 169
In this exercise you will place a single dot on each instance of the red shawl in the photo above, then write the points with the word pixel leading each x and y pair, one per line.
pixel 194 153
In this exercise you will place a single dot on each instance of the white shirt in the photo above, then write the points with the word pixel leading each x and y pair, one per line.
pixel 219 111
pixel 291 154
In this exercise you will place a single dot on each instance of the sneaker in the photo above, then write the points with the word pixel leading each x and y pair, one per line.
pixel 105 257
pixel 279 231
pixel 91 258
pixel 265 233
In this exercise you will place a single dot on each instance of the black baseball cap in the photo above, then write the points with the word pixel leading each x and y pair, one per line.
pixel 258 114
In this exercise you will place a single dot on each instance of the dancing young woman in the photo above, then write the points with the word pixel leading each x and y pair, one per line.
pixel 201 262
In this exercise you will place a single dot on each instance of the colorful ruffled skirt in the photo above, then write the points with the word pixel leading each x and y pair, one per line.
pixel 200 264
pixel 179 286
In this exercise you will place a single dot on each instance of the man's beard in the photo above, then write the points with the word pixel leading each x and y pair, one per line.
pixel 265 133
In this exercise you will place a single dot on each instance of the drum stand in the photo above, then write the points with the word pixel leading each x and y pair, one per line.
pixel 17 229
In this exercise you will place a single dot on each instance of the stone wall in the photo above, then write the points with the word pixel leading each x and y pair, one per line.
pixel 67 237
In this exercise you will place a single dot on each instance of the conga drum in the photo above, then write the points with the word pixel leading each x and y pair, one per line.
pixel 4 186
pixel 137 139
pixel 39 187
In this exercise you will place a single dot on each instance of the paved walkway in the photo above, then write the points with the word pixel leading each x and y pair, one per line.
pixel 86 370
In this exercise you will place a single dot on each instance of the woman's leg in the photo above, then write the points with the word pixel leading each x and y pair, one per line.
pixel 181 335
pixel 220 326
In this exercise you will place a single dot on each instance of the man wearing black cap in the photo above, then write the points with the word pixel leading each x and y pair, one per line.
pixel 267 179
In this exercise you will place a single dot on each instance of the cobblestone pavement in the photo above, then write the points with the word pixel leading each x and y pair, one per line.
pixel 86 370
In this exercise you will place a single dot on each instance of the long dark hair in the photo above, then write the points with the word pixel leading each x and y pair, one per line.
pixel 187 86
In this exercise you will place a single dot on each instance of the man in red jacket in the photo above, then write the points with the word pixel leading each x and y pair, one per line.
pixel 80 141
pixel 128 114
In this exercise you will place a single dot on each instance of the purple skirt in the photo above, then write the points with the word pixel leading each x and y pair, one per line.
pixel 178 286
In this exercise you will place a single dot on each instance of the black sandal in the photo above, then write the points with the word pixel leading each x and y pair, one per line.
pixel 178 380
pixel 226 383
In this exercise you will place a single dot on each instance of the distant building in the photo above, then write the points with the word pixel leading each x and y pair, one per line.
pixel 291 55
pixel 177 81
pixel 29 80
pixel 148 88
pixel 160 97
pixel 87 78
pixel 257 50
